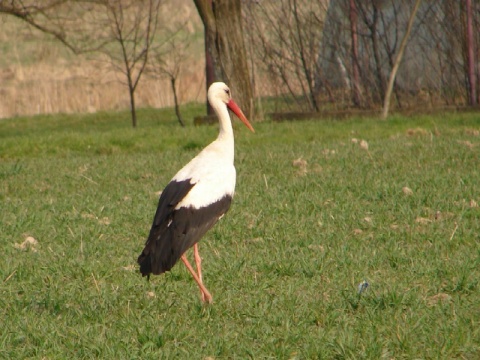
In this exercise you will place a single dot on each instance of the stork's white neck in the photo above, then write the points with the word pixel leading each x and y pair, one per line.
pixel 225 139
pixel 224 120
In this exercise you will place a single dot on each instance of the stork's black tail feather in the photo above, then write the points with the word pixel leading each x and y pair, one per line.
pixel 145 265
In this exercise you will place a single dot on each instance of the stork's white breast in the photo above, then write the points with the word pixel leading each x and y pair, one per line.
pixel 214 177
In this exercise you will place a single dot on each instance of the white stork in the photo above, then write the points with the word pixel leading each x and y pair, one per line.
pixel 196 198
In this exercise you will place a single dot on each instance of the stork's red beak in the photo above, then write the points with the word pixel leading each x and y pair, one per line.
pixel 234 107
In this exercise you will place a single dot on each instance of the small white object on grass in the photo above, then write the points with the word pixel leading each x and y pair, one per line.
pixel 362 287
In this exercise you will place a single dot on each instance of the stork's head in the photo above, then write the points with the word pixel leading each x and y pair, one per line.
pixel 219 92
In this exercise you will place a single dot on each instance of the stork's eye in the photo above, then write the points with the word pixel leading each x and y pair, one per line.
pixel 227 91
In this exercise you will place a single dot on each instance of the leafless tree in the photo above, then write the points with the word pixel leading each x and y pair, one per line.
pixel 131 26
pixel 370 15
pixel 398 59
pixel 122 30
pixel 456 49
pixel 439 46
pixel 356 90
pixel 289 35
pixel 168 60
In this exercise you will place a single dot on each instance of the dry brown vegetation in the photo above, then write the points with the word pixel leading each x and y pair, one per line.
pixel 301 66
pixel 39 75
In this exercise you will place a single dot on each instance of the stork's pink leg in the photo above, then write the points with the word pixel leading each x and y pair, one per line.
pixel 206 297
pixel 198 262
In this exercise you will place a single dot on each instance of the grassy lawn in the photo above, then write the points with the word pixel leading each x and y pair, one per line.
pixel 315 214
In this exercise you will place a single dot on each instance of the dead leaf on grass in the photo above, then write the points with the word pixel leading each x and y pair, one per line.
pixel 440 297
pixel 129 267
pixel 364 145
pixel 422 220
pixel 83 169
pixel 472 132
pixel 328 152
pixel 439 215
pixel 407 191
pixel 417 132
pixel 29 243
pixel 467 144
pixel 104 221
pixel 471 203
pixel 150 294
pixel 435 216
pixel 255 240
pixel 316 247
pixel 301 164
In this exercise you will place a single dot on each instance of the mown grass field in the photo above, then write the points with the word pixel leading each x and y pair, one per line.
pixel 315 214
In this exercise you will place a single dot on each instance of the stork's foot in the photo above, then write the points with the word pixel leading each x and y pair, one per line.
pixel 206 297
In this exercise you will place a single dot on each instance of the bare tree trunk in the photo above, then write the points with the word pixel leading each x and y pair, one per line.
pixel 233 54
pixel 177 107
pixel 398 59
pixel 354 52
pixel 130 40
pixel 225 44
pixel 205 10
pixel 130 83
pixel 318 76
pixel 133 110
pixel 471 73
pixel 376 51
pixel 391 46
pixel 209 69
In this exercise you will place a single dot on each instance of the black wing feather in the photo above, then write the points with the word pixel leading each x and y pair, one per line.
pixel 173 193
pixel 174 231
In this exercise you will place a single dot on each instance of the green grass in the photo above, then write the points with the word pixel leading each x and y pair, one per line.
pixel 283 265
